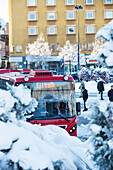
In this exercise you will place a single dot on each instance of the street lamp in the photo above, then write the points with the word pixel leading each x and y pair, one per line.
pixel 78 7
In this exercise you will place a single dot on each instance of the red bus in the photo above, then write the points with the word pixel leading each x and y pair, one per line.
pixel 55 95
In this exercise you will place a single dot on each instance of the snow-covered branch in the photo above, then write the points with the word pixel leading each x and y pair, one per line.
pixel 67 50
pixel 39 50
pixel 97 46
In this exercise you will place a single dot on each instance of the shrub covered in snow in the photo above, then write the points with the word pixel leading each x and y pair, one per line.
pixel 95 74
pixel 16 102
pixel 106 53
pixel 102 131
pixel 102 73
pixel 85 74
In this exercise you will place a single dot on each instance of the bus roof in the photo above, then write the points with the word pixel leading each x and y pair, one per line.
pixel 28 75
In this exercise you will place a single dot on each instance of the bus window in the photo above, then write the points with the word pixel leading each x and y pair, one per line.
pixel 49 93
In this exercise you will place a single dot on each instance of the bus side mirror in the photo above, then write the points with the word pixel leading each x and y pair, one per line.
pixel 78 108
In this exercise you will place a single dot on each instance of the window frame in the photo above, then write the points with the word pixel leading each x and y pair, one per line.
pixel 36 28
pixel 90 25
pixel 55 15
pixel 66 3
pixel 108 10
pixel 32 12
pixel 68 27
pixel 19 48
pixel 50 4
pixel 105 2
pixel 90 44
pixel 32 5
pixel 86 2
pixel 86 14
pixel 84 46
pixel 52 45
pixel 51 26
pixel 74 15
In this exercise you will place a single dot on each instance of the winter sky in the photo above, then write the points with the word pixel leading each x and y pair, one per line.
pixel 4 10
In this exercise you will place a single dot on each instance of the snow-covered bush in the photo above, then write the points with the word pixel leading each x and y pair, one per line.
pixel 16 102
pixel 27 146
pixel 106 54
pixel 95 74
pixel 102 137
pixel 102 73
pixel 85 74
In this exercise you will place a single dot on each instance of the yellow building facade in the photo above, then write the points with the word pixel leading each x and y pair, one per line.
pixel 58 21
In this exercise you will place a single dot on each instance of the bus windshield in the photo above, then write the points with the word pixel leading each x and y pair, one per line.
pixel 55 99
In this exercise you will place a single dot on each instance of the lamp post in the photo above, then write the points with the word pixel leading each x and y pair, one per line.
pixel 78 7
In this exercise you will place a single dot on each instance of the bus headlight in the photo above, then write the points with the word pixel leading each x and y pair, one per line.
pixel 65 77
pixel 73 129
pixel 26 78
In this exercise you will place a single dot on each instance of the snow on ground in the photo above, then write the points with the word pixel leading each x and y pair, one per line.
pixel 91 86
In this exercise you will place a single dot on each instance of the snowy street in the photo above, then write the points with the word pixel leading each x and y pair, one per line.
pixel 83 131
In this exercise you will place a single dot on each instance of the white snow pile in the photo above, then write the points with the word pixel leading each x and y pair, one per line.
pixel 35 147
pixel 27 146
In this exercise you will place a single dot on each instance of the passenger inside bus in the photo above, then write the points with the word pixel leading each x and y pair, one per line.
pixel 48 107
pixel 56 109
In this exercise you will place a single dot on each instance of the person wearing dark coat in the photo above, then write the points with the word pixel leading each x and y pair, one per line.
pixel 85 97
pixel 110 94
pixel 100 87
pixel 56 110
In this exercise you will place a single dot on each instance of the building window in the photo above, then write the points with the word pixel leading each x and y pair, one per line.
pixel 89 2
pixel 90 46
pixel 32 15
pixel 32 30
pixel 12 48
pixel 108 14
pixel 52 30
pixel 70 15
pixel 52 15
pixel 31 2
pixel 71 29
pixel 58 47
pixel 52 47
pixel 50 2
pixel 90 14
pixel 108 1
pixel 69 2
pixel 19 48
pixel 84 46
pixel 90 29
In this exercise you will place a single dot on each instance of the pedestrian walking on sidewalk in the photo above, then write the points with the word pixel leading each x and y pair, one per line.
pixel 110 94
pixel 100 87
pixel 85 97
pixel 82 84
